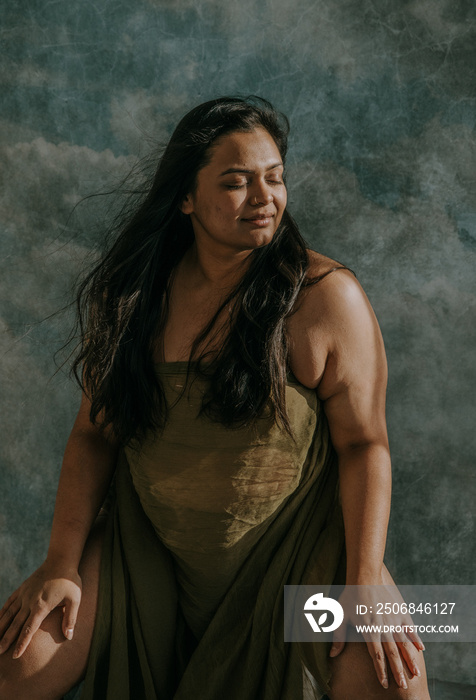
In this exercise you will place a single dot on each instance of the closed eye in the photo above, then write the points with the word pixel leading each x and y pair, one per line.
pixel 244 184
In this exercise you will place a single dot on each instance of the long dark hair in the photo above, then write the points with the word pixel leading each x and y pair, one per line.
pixel 122 303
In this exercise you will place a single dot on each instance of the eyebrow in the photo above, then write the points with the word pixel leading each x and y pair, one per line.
pixel 250 172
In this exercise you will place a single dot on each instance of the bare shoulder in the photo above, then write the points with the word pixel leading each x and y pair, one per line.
pixel 332 293
pixel 332 314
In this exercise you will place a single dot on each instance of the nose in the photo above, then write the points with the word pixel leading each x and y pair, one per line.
pixel 261 194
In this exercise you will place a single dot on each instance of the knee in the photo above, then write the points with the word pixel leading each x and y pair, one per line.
pixel 417 690
pixel 13 678
pixel 22 678
pixel 354 677
pixel 357 691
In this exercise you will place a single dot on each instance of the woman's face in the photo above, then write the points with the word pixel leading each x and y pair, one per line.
pixel 240 196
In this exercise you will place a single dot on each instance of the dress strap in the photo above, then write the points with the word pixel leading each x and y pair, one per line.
pixel 315 280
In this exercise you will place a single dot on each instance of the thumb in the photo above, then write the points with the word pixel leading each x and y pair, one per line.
pixel 336 648
pixel 69 618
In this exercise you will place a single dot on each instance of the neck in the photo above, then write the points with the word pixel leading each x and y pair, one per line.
pixel 214 268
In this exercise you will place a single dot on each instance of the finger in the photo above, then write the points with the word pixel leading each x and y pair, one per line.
pixel 409 630
pixel 395 663
pixel 70 617
pixel 407 651
pixel 378 657
pixel 31 625
pixel 415 638
pixel 8 616
pixel 7 605
pixel 13 631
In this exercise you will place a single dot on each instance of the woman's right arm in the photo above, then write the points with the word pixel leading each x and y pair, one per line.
pixel 88 465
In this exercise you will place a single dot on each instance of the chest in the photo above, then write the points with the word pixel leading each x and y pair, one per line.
pixel 190 313
pixel 189 316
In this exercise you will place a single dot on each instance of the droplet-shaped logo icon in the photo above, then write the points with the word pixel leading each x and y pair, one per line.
pixel 318 602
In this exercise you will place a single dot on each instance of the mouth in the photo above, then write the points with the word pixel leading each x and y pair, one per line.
pixel 259 219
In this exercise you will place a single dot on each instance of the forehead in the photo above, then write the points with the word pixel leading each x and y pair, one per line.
pixel 248 149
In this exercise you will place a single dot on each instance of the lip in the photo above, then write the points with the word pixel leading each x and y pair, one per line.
pixel 259 219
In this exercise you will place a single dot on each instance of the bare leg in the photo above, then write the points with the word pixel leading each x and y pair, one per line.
pixel 354 678
pixel 52 665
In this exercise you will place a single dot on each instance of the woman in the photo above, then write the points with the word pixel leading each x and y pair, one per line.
pixel 229 376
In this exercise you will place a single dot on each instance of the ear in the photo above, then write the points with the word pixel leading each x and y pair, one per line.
pixel 187 206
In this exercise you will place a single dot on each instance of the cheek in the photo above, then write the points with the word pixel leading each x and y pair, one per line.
pixel 284 199
pixel 281 202
pixel 234 203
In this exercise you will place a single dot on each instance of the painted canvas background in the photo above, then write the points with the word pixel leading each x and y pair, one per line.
pixel 382 176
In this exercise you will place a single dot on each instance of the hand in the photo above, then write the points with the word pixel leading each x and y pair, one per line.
pixel 395 646
pixel 49 587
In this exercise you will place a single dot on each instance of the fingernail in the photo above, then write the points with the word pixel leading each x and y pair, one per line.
pixel 384 682
pixel 403 683
pixel 16 654
pixel 333 651
pixel 416 671
pixel 422 646
pixel 69 634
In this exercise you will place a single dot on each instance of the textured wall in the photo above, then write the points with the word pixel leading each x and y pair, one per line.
pixel 381 97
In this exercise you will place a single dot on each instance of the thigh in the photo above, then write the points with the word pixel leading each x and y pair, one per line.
pixel 52 665
pixel 354 677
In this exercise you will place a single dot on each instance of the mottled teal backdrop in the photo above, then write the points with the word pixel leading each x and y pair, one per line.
pixel 382 176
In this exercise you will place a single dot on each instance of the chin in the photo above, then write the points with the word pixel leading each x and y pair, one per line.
pixel 262 238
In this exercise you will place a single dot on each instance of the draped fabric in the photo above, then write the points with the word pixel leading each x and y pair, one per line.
pixel 207 526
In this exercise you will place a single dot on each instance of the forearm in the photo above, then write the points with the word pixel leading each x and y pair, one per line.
pixel 365 484
pixel 86 473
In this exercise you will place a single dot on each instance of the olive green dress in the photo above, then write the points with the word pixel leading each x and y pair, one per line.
pixel 207 526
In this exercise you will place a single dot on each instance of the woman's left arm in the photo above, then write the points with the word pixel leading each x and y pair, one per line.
pixel 353 390
pixel 340 334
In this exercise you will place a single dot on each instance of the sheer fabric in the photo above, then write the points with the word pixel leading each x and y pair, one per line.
pixel 207 526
